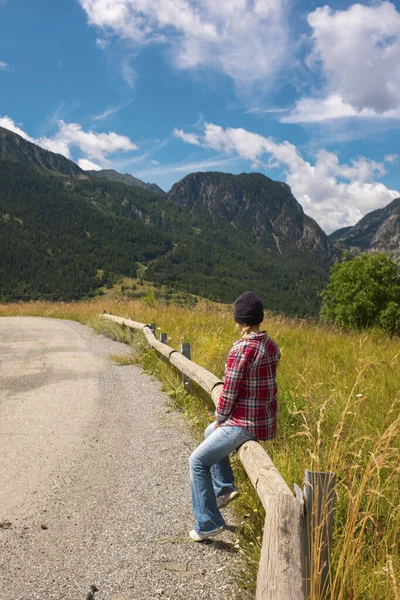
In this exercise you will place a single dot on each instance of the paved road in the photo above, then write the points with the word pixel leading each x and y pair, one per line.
pixel 93 476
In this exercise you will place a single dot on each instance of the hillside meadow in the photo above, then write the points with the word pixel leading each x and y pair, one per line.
pixel 339 397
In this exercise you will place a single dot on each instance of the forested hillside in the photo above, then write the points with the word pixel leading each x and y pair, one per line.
pixel 56 243
pixel 64 233
pixel 127 179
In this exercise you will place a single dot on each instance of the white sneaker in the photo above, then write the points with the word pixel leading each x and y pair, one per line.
pixel 225 499
pixel 199 537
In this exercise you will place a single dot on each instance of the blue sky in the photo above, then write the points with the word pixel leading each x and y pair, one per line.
pixel 304 92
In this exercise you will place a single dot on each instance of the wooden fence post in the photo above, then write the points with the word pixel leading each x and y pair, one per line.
pixel 163 340
pixel 319 499
pixel 185 351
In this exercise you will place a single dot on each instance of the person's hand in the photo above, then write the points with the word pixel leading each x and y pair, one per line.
pixel 216 426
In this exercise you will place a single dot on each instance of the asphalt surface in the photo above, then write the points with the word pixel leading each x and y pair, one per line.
pixel 94 476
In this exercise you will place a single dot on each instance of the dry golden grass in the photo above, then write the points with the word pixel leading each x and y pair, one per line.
pixel 339 411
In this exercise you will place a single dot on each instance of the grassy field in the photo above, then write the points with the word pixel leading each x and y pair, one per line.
pixel 339 411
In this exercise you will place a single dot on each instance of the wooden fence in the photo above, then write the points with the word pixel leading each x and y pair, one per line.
pixel 283 573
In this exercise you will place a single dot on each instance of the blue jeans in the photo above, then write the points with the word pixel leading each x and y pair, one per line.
pixel 211 473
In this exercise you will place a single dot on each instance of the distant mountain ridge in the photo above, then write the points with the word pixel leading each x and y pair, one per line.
pixel 339 233
pixel 64 232
pixel 377 231
pixel 15 148
pixel 127 179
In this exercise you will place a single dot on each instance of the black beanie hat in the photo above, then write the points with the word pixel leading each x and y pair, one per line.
pixel 248 309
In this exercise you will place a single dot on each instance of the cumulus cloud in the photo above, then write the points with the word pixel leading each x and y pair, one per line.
pixel 88 165
pixel 312 110
pixel 58 146
pixel 357 52
pixel 94 145
pixel 8 123
pixel 245 39
pixel 71 135
pixel 334 194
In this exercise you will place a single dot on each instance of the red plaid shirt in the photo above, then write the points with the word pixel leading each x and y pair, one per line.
pixel 248 397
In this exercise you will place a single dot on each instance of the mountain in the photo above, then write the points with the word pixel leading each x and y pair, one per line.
pixel 252 205
pixel 59 238
pixel 338 234
pixel 55 241
pixel 127 179
pixel 377 231
pixel 64 233
pixel 15 148
pixel 243 232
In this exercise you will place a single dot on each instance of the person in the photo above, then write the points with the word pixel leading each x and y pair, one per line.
pixel 247 410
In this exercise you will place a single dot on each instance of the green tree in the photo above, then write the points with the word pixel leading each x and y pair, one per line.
pixel 363 291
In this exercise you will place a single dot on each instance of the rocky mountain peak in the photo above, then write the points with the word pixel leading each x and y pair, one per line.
pixel 378 231
pixel 254 204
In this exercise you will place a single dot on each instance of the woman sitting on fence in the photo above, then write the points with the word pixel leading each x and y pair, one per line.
pixel 247 410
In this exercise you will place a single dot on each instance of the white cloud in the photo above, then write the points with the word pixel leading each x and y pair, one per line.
pixel 3 65
pixel 88 165
pixel 312 110
pixel 58 146
pixel 93 145
pixel 245 39
pixel 334 194
pixel 110 111
pixel 359 49
pixel 357 52
pixel 189 138
pixel 51 144
pixel 392 158
pixel 71 135
pixel 11 125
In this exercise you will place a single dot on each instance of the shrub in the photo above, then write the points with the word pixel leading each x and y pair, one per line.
pixel 363 292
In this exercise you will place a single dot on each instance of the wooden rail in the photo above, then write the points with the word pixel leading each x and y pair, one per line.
pixel 280 573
